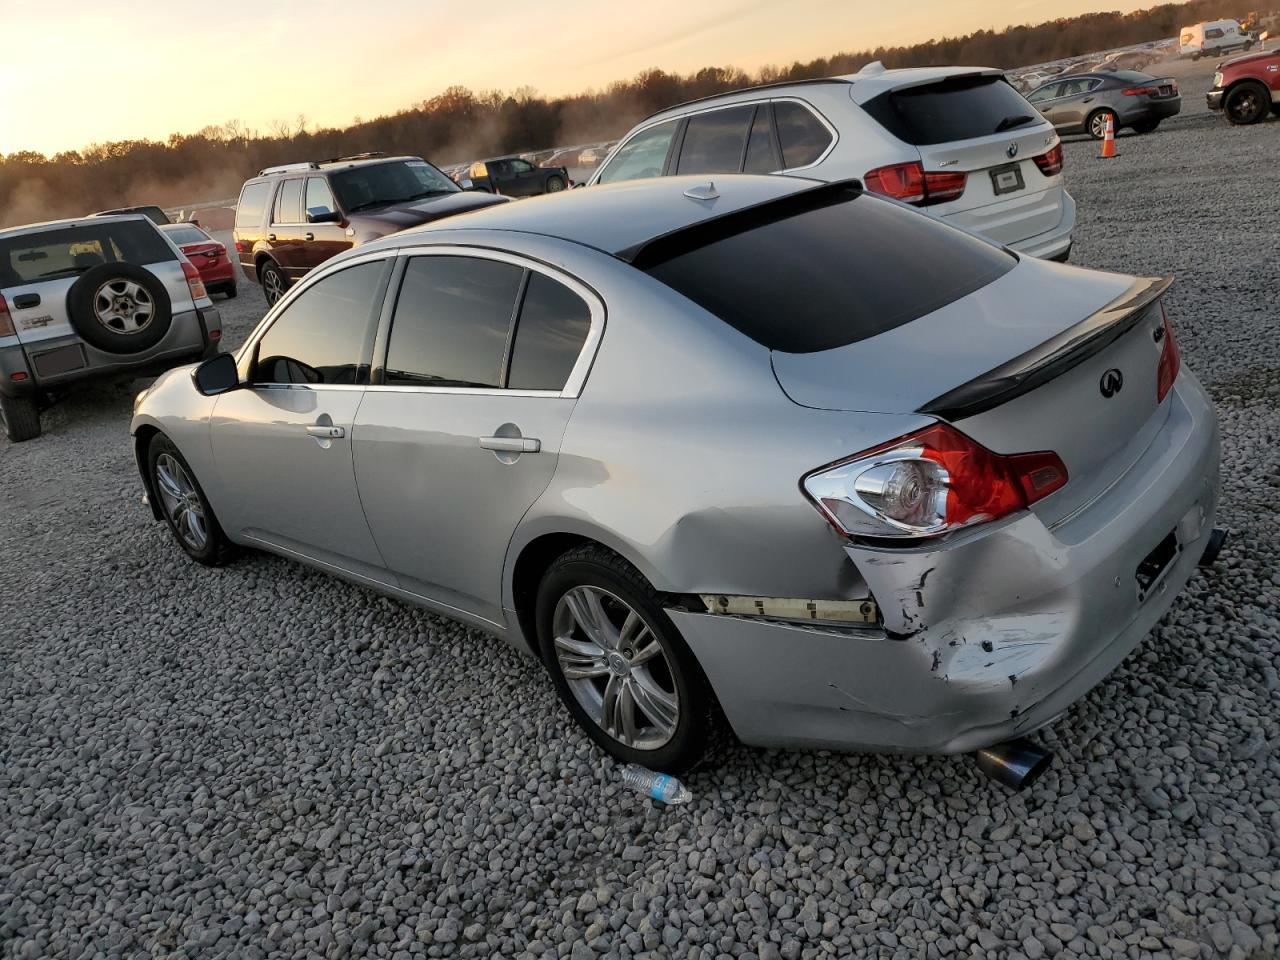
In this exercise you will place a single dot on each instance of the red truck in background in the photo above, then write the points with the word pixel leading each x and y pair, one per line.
pixel 1247 88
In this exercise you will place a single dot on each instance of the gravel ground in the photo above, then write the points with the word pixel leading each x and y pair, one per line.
pixel 265 761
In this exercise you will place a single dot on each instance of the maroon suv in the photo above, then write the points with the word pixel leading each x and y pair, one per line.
pixel 295 217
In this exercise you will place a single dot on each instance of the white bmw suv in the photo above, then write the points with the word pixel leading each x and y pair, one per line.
pixel 960 142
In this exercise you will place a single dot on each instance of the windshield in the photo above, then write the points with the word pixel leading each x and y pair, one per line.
pixel 186 234
pixel 380 184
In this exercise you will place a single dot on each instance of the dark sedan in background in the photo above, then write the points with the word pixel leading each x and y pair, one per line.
pixel 1084 102
pixel 513 177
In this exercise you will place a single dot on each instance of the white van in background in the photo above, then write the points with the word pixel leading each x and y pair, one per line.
pixel 1212 38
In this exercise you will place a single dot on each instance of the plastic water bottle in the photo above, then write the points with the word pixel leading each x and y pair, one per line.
pixel 660 786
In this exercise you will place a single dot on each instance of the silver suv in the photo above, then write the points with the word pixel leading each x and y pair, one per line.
pixel 91 297
pixel 959 142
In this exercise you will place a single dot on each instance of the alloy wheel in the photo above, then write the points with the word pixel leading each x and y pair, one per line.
pixel 616 667
pixel 181 502
pixel 273 285
pixel 1099 126
pixel 123 306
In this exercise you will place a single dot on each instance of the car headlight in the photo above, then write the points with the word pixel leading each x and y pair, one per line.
pixel 1217 81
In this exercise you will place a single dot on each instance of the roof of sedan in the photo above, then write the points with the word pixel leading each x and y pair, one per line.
pixel 617 218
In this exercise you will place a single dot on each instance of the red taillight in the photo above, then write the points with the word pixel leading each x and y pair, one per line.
pixel 19 376
pixel 1170 359
pixel 910 183
pixel 193 280
pixel 930 483
pixel 215 334
pixel 1050 163
pixel 6 321
pixel 243 246
pixel 1140 91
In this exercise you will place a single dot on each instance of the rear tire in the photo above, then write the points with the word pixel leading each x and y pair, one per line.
pixel 1246 103
pixel 273 282
pixel 230 291
pixel 554 185
pixel 663 713
pixel 185 508
pixel 20 418
pixel 1097 123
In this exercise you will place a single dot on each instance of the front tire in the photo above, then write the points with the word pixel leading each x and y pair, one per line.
pixel 1097 123
pixel 20 418
pixel 620 665
pixel 186 509
pixel 1246 103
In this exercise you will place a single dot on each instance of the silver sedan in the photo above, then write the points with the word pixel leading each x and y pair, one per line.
pixel 762 450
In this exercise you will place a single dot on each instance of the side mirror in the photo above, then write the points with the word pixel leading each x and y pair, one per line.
pixel 217 375
pixel 327 216
pixel 466 183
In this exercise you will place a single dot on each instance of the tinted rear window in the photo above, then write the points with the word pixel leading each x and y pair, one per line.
pixel 184 235
pixel 824 269
pixel 69 251
pixel 956 109
pixel 553 326
pixel 253 200
pixel 802 135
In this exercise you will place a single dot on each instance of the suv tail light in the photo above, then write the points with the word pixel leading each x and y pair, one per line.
pixel 1140 91
pixel 6 321
pixel 929 483
pixel 1050 163
pixel 243 246
pixel 193 280
pixel 1170 359
pixel 910 183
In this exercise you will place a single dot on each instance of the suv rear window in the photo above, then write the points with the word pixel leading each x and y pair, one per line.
pixel 823 269
pixel 253 200
pixel 66 252
pixel 959 108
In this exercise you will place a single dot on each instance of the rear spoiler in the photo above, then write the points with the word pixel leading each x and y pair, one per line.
pixel 1052 358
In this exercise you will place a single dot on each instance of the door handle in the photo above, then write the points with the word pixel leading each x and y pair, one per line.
pixel 511 444
pixel 1088 100
pixel 326 432
pixel 310 236
pixel 271 237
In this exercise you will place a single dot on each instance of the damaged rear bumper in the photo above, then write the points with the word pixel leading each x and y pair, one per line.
pixel 989 638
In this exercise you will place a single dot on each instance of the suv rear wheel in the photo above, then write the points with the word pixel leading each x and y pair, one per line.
pixel 119 308
pixel 273 282
pixel 20 418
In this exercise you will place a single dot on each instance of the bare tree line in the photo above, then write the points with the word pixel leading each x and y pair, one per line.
pixel 458 124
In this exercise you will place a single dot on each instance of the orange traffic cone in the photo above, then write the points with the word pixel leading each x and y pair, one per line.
pixel 1109 141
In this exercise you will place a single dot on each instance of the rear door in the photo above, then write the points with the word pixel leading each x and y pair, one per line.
pixel 715 140
pixel 979 125
pixel 288 227
pixel 461 430
pixel 282 444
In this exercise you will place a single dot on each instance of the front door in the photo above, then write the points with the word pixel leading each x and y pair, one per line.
pixel 463 433
pixel 282 444
pixel 323 240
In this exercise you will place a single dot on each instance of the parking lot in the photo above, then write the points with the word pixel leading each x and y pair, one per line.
pixel 265 761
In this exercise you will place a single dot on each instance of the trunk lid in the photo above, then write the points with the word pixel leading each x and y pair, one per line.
pixel 1019 366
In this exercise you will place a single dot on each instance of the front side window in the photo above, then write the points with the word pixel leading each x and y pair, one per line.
pixel 803 136
pixel 451 322
pixel 319 198
pixel 551 329
pixel 381 184
pixel 644 155
pixel 521 166
pixel 713 141
pixel 323 336
pixel 1048 92
pixel 289 203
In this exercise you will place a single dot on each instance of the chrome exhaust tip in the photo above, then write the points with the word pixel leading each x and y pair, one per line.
pixel 1015 763
pixel 1213 547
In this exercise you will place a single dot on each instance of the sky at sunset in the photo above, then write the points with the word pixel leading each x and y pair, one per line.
pixel 91 72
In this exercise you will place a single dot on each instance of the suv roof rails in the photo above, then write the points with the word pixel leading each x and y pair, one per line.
pixel 369 155
pixel 758 86
pixel 288 168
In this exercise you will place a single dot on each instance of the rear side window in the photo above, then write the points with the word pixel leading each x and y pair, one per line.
pixel 802 135
pixel 451 322
pixel 823 269
pixel 761 155
pixel 289 203
pixel 644 155
pixel 550 332
pixel 253 201
pixel 713 141
pixel 70 251
pixel 323 336
pixel 963 108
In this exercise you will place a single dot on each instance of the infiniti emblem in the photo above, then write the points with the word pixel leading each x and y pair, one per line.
pixel 1111 382
pixel 1012 151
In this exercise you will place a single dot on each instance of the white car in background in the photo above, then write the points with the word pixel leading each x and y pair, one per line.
pixel 960 142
